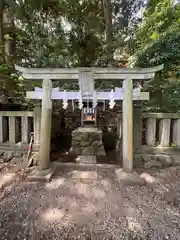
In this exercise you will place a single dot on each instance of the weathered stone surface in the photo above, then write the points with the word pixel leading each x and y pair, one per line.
pixel 8 156
pixel 146 157
pixel 88 151
pixel 176 160
pixel 41 175
pixel 157 160
pixel 16 160
pixel 75 150
pixel 138 161
pixel 165 160
pixel 98 148
pixel 35 158
pixel 128 178
pixel 87 141
pixel 86 135
pixel 101 151
pixel 18 154
pixel 153 164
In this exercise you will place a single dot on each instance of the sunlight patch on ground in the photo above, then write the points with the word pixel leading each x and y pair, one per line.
pixel 84 174
pixel 106 183
pixel 133 225
pixel 53 214
pixel 148 178
pixel 56 183
pixel 83 189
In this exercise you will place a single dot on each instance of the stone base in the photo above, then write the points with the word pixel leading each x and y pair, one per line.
pixel 155 160
pixel 86 159
pixel 125 178
pixel 87 141
pixel 41 175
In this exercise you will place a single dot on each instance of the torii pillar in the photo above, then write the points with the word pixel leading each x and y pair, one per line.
pixel 45 134
pixel 128 126
pixel 44 171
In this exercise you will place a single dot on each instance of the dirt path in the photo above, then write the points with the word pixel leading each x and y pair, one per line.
pixel 95 208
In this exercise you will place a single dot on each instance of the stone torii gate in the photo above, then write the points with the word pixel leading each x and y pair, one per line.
pixel 86 77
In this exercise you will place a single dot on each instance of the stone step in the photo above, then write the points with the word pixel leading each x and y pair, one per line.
pixel 86 159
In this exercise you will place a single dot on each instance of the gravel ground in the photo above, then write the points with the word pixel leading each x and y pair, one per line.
pixel 98 208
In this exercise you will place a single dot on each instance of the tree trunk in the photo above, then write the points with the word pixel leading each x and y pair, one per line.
pixel 1 27
pixel 107 7
pixel 10 42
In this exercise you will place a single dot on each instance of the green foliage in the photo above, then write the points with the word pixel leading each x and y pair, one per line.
pixel 66 33
pixel 158 42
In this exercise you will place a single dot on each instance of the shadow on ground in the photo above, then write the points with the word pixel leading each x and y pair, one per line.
pixel 88 203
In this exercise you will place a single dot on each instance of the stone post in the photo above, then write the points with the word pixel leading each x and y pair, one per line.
pixel 165 132
pixel 176 133
pixel 13 129
pixel 128 126
pixel 137 126
pixel 37 124
pixel 119 134
pixel 3 129
pixel 25 129
pixel 151 132
pixel 45 135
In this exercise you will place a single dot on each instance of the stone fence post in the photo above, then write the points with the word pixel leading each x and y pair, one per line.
pixel 37 124
pixel 137 126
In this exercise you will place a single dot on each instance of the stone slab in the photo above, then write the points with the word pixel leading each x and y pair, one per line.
pixel 86 159
pixel 126 178
pixel 41 175
pixel 84 165
pixel 153 164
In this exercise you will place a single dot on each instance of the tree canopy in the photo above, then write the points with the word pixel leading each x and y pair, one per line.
pixel 66 33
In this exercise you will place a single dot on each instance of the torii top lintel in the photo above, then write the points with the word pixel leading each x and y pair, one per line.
pixel 98 73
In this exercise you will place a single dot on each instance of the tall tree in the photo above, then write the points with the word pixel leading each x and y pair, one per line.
pixel 157 42
pixel 1 28
pixel 107 7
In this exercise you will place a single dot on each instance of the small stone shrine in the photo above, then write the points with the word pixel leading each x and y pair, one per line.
pixel 87 141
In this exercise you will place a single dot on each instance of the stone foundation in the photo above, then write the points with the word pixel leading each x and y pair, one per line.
pixel 156 160
pixel 87 142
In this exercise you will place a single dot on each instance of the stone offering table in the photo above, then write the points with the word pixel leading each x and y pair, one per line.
pixel 87 141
